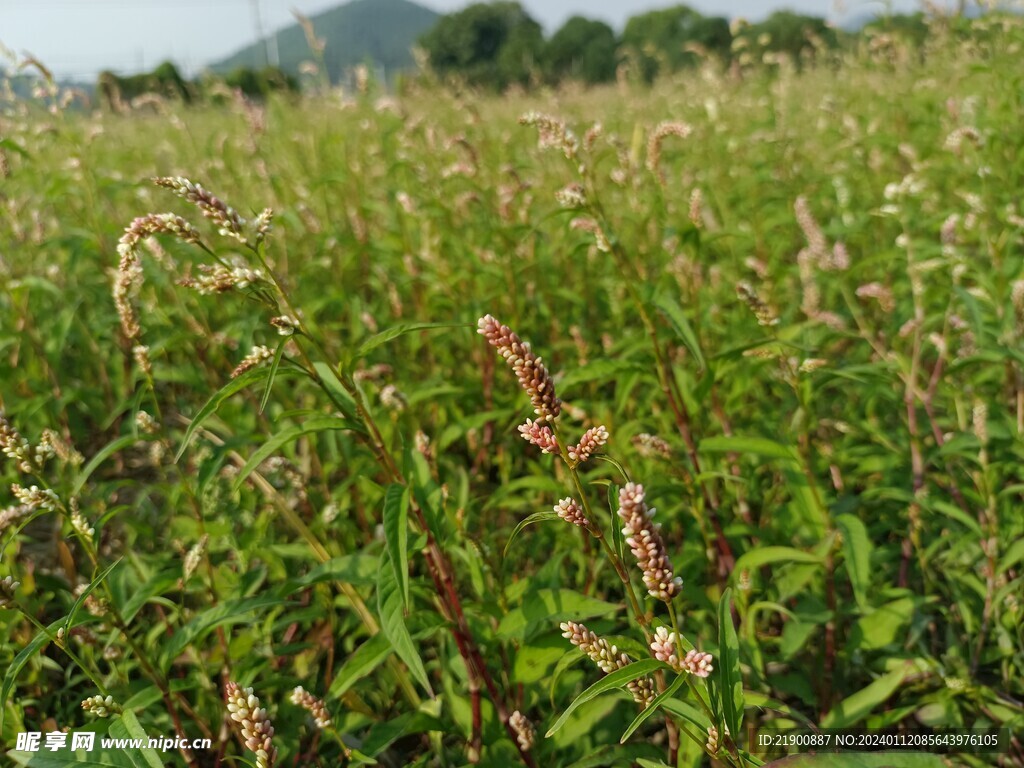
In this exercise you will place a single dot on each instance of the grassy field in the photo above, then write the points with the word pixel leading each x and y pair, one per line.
pixel 793 297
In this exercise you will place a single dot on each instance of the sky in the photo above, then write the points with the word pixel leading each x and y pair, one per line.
pixel 78 38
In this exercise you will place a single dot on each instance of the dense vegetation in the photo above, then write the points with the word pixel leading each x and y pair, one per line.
pixel 268 448
pixel 497 44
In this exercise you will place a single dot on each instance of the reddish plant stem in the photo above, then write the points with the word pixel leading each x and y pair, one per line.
pixel 441 573
pixel 438 565
pixel 671 390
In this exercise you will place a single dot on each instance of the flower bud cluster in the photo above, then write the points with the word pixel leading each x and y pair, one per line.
pixel 530 370
pixel 592 439
pixel 228 221
pixel 8 586
pixel 316 707
pixel 644 539
pixel 254 724
pixel 569 510
pixel 102 706
pixel 608 658
pixel 663 646
pixel 698 663
pixel 552 132
pixel 649 446
pixel 16 447
pixel 525 733
pixel 763 312
pixel 218 278
pixel 540 435
pixel 36 498
pixel 259 355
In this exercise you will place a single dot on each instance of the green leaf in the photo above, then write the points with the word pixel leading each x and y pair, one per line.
pixel 142 594
pixel 214 403
pixel 654 706
pixel 366 658
pixel 396 534
pixel 688 712
pixel 97 580
pixel 728 664
pixel 760 446
pixel 288 435
pixel 144 698
pixel 611 682
pixel 399 330
pixel 536 517
pixel 1013 555
pixel 126 726
pixel 104 453
pixel 857 552
pixel 392 621
pixel 352 569
pixel 674 313
pixel 755 558
pixel 620 755
pixel 231 611
pixel 855 708
pixel 274 365
pixel 545 604
pixel 339 396
pixel 884 626
pixel 14 146
pixel 382 735
pixel 26 653
pixel 599 370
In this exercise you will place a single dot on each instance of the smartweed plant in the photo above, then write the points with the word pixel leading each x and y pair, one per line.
pixel 715 709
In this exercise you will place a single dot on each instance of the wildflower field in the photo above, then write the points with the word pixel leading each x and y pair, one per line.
pixel 341 442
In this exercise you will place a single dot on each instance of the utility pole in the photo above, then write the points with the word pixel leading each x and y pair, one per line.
pixel 269 46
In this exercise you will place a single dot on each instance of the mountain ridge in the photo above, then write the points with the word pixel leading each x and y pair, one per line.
pixel 357 32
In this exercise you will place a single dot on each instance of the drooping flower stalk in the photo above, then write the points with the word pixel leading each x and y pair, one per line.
pixel 259 355
pixel 316 707
pixel 530 370
pixel 608 658
pixel 228 221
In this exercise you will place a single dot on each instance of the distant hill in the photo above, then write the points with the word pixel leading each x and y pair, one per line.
pixel 383 31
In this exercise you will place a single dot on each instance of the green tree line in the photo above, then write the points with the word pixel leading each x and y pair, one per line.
pixel 114 90
pixel 498 44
